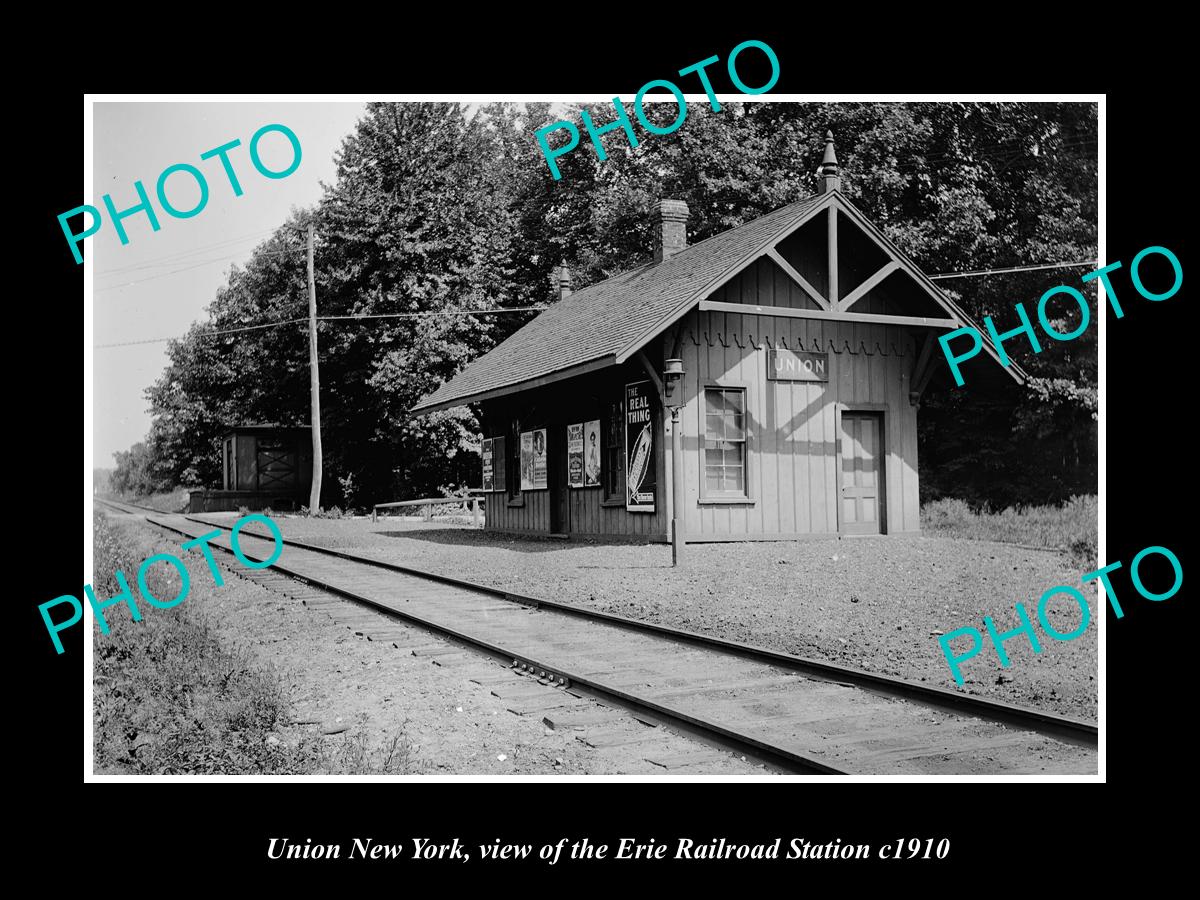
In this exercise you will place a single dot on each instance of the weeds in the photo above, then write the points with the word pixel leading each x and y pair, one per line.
pixel 171 696
pixel 354 755
pixel 334 512
pixel 1071 526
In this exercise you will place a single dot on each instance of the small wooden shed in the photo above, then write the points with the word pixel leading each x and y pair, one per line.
pixel 805 338
pixel 261 466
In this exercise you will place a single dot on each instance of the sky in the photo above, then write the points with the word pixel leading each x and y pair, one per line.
pixel 161 281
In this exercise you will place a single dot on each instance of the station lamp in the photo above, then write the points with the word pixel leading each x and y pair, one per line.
pixel 672 376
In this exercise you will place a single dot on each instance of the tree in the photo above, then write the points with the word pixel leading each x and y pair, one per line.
pixel 956 186
pixel 412 235
pixel 437 210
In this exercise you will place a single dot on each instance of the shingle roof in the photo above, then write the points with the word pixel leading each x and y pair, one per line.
pixel 605 318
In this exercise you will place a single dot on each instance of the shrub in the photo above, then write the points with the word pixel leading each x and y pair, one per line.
pixel 1071 526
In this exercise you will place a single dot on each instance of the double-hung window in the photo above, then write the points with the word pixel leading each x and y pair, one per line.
pixel 725 442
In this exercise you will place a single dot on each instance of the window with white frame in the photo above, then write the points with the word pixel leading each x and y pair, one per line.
pixel 725 442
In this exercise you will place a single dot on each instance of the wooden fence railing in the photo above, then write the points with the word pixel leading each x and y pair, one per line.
pixel 465 504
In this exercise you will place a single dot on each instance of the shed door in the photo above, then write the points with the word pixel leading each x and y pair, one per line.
pixel 230 466
pixel 862 478
pixel 276 465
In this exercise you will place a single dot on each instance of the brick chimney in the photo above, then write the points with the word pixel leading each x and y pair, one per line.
pixel 560 278
pixel 827 173
pixel 672 216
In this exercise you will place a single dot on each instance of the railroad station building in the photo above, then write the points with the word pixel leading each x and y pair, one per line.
pixel 795 349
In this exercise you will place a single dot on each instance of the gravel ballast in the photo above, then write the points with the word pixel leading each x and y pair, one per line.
pixel 874 603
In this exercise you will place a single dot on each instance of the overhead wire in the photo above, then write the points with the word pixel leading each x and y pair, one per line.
pixel 400 315
pixel 973 274
pixel 113 287
pixel 483 312
pixel 173 258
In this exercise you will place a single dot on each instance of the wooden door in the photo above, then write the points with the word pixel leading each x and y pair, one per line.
pixel 276 465
pixel 230 466
pixel 862 473
pixel 560 512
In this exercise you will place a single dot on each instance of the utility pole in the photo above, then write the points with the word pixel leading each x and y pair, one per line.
pixel 677 540
pixel 314 497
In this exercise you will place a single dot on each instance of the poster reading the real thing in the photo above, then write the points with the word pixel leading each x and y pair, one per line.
pixel 639 448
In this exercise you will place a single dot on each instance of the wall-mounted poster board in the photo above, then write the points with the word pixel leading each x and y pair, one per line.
pixel 489 480
pixel 575 455
pixel 639 448
pixel 591 453
pixel 533 460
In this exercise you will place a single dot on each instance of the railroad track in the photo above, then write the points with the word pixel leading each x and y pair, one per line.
pixel 799 714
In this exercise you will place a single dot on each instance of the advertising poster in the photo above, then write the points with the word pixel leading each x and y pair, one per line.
pixel 591 453
pixel 488 476
pixel 533 460
pixel 639 448
pixel 575 455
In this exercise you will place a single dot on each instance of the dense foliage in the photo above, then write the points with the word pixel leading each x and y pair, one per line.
pixel 438 209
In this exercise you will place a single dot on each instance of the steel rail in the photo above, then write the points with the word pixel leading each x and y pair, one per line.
pixel 744 743
pixel 1065 728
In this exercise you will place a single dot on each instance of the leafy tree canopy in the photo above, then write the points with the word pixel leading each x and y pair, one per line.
pixel 438 209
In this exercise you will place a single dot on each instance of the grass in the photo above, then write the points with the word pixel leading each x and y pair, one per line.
pixel 354 755
pixel 1071 526
pixel 165 501
pixel 172 697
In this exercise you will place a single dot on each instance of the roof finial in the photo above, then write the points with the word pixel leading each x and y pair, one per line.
pixel 827 172
pixel 829 163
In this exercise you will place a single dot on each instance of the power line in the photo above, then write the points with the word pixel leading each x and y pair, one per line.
pixel 485 312
pixel 442 312
pixel 173 258
pixel 1058 265
pixel 113 287
pixel 200 334
pixel 403 315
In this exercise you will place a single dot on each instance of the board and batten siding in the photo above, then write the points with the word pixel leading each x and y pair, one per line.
pixel 793 427
pixel 586 513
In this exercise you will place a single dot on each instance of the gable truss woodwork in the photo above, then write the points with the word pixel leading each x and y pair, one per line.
pixel 870 284
pixel 798 278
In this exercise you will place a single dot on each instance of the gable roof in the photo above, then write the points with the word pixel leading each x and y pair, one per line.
pixel 609 321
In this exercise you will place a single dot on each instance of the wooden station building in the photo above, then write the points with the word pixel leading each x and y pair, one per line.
pixel 806 340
